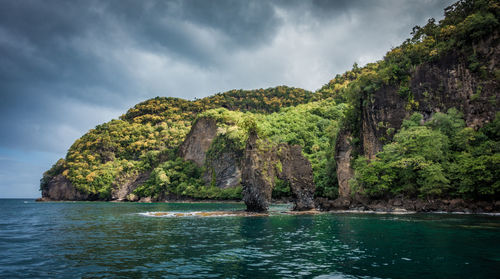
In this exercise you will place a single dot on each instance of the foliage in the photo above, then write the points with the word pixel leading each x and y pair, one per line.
pixel 281 189
pixel 56 169
pixel 136 142
pixel 313 126
pixel 465 25
pixel 441 158
pixel 182 179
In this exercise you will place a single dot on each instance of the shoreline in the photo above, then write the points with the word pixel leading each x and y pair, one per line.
pixel 403 207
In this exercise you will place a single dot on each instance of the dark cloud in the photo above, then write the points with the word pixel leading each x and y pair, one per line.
pixel 66 66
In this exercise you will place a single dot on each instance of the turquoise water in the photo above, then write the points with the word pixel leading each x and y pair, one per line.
pixel 97 239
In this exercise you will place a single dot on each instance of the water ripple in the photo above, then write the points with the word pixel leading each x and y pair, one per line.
pixel 102 240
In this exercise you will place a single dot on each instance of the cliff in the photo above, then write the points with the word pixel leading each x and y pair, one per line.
pixel 255 168
pixel 435 87
pixel 264 162
pixel 422 124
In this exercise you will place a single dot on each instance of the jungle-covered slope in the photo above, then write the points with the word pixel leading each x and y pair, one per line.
pixel 423 122
pixel 146 138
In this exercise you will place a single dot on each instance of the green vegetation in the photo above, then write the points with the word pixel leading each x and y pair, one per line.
pixel 435 159
pixel 182 179
pixel 441 158
pixel 145 138
pixel 465 25
pixel 313 126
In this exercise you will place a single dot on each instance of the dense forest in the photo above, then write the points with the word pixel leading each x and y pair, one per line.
pixel 438 155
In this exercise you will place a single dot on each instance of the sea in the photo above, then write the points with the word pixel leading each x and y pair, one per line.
pixel 172 240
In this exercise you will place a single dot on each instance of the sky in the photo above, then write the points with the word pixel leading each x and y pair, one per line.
pixel 67 66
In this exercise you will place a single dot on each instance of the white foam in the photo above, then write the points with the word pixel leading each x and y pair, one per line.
pixel 177 214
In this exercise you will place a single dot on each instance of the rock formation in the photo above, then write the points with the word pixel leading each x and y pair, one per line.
pixel 436 87
pixel 297 170
pixel 61 189
pixel 263 162
pixel 198 141
pixel 223 170
pixel 124 188
pixel 343 150
pixel 258 172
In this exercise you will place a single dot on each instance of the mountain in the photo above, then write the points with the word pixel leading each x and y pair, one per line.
pixel 419 129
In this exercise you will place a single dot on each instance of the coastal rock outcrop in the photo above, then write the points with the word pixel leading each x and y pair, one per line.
pixel 297 170
pixel 262 163
pixel 435 87
pixel 258 172
pixel 343 151
pixel 198 141
pixel 401 204
pixel 221 169
pixel 124 187
pixel 60 188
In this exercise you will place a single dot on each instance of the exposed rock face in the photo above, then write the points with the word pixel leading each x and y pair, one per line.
pixel 261 164
pixel 61 189
pixel 124 188
pixel 224 170
pixel 257 178
pixel 436 87
pixel 387 110
pixel 440 86
pixel 198 141
pixel 297 170
pixel 343 151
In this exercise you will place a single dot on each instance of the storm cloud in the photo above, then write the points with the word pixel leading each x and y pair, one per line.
pixel 66 66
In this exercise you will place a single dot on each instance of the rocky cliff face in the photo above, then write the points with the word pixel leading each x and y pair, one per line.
pixel 223 170
pixel 343 151
pixel 198 141
pixel 257 178
pixel 435 87
pixel 297 170
pixel 262 163
pixel 123 188
pixel 61 189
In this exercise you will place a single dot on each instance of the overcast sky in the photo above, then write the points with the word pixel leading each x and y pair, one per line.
pixel 66 66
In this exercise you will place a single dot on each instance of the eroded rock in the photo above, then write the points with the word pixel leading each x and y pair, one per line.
pixel 343 151
pixel 124 188
pixel 435 87
pixel 257 177
pixel 223 170
pixel 60 189
pixel 198 141
pixel 263 162
pixel 297 170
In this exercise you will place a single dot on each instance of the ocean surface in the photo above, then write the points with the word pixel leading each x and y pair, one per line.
pixel 126 240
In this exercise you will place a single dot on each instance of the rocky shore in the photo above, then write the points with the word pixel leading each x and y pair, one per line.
pixel 408 205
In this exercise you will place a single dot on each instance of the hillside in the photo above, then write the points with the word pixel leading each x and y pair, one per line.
pixel 424 121
pixel 422 124
pixel 117 152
